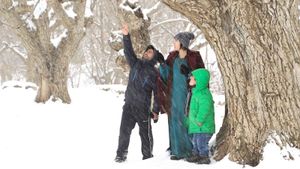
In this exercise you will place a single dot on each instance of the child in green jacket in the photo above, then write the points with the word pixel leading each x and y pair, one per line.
pixel 201 123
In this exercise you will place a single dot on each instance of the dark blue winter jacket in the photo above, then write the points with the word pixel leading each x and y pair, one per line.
pixel 142 81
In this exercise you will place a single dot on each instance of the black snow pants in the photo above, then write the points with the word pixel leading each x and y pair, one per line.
pixel 132 115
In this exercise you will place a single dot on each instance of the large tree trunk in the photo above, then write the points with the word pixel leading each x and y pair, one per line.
pixel 53 78
pixel 258 52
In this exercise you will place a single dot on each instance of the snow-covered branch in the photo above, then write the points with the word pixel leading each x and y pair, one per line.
pixel 151 10
pixel 14 48
pixel 168 21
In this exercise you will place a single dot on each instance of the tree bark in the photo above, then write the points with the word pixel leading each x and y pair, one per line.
pixel 258 52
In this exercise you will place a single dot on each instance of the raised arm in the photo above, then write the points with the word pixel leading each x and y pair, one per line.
pixel 128 49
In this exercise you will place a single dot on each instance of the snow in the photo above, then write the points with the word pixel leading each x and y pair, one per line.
pixel 29 23
pixel 117 34
pixel 148 11
pixel 14 3
pixel 121 52
pixel 18 84
pixel 31 2
pixel 88 11
pixel 126 7
pixel 68 8
pixel 168 21
pixel 84 134
pixel 16 48
pixel 133 1
pixel 40 8
pixel 51 17
pixel 56 38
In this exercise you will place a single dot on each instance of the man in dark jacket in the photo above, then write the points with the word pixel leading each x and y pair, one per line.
pixel 142 82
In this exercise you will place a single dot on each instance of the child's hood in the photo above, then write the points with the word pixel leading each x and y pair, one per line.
pixel 202 78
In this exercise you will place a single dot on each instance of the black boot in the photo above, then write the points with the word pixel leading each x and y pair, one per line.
pixel 203 160
pixel 120 159
pixel 145 158
pixel 175 158
pixel 193 159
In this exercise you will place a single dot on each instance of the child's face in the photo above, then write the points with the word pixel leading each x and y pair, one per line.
pixel 192 81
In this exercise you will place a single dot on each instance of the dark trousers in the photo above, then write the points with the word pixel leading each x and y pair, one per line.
pixel 132 115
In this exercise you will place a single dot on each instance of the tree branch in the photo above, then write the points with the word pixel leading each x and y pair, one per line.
pixel 153 9
pixel 22 56
pixel 61 14
pixel 168 21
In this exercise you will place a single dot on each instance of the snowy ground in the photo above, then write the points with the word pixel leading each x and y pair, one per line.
pixel 84 134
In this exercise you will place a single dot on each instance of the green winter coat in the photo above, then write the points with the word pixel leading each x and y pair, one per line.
pixel 201 105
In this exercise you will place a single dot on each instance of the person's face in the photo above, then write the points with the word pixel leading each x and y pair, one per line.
pixel 149 54
pixel 176 45
pixel 192 81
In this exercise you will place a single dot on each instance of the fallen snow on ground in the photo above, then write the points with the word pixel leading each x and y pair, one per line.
pixel 84 134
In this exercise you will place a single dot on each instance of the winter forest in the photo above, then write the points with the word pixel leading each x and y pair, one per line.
pixel 72 87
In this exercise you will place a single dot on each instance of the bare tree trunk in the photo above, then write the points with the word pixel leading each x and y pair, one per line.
pixel 53 78
pixel 258 51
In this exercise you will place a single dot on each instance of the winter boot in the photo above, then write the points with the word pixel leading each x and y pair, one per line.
pixel 145 158
pixel 193 159
pixel 120 159
pixel 203 160
pixel 175 158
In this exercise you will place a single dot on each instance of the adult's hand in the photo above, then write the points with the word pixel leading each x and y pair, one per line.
pixel 155 117
pixel 125 30
pixel 185 70
pixel 160 58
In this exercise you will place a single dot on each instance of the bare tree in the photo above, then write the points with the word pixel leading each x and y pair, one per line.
pixel 258 51
pixel 50 37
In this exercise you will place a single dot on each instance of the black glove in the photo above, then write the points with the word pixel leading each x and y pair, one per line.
pixel 185 70
pixel 160 57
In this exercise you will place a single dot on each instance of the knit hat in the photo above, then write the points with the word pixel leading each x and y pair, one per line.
pixel 184 38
